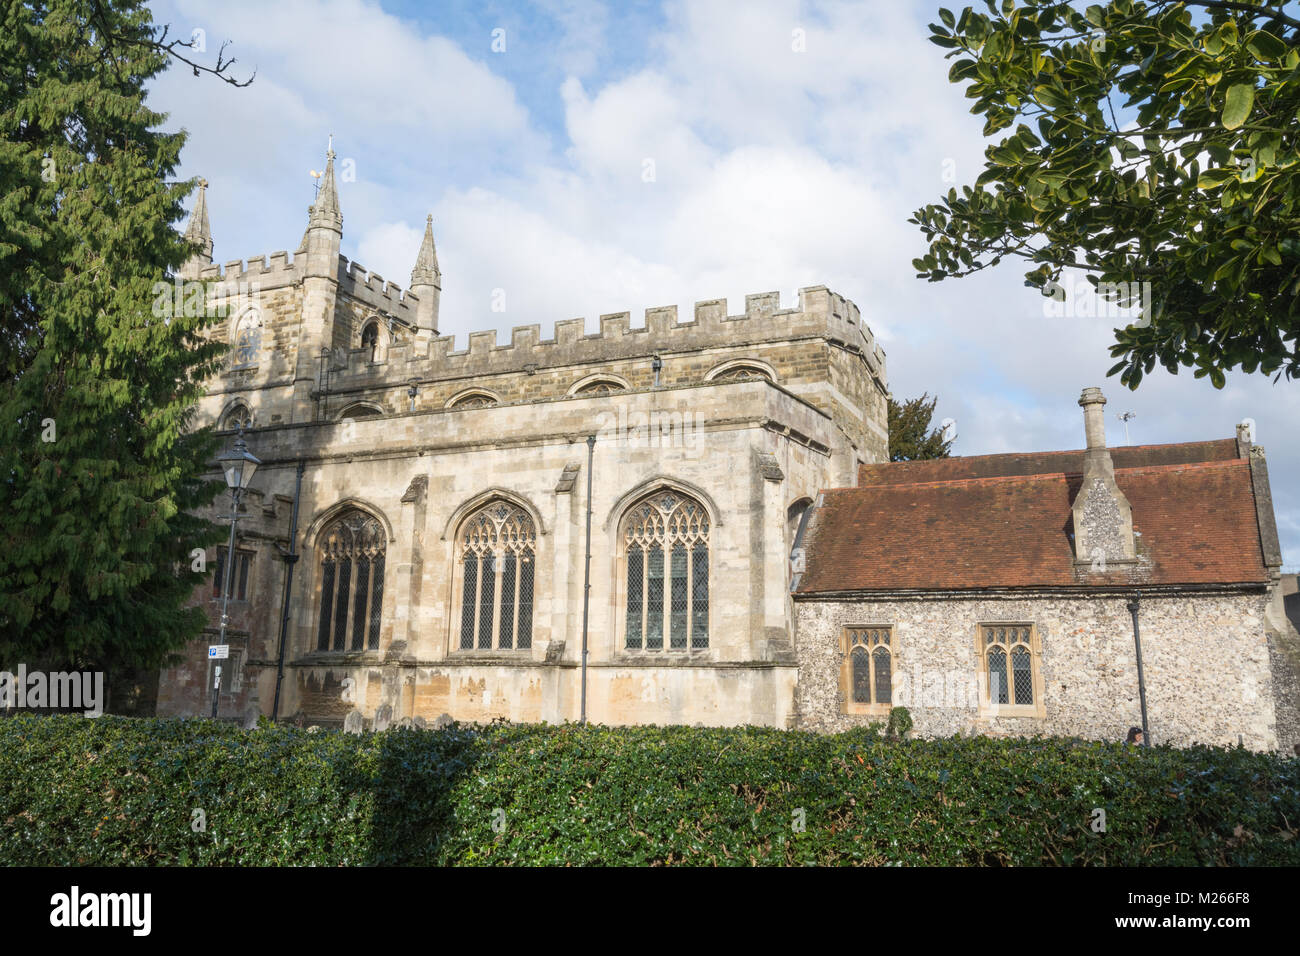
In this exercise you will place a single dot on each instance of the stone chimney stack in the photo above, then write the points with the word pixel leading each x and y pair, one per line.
pixel 1103 519
pixel 1094 419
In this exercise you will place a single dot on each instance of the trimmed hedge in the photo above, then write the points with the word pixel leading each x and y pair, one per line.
pixel 114 791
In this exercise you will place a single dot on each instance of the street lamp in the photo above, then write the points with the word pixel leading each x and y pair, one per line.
pixel 238 466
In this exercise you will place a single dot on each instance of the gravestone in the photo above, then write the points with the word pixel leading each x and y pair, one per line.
pixel 354 723
pixel 419 723
pixel 442 720
pixel 383 717
pixel 405 723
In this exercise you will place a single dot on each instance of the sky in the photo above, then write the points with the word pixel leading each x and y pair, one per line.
pixel 581 157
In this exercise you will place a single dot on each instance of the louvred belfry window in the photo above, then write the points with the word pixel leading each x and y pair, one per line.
pixel 666 555
pixel 498 548
pixel 352 551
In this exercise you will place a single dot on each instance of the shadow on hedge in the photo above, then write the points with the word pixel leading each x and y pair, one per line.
pixel 413 783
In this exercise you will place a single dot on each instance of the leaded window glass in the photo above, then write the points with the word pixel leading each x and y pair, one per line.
pixel 352 551
pixel 666 558
pixel 498 545
pixel 1009 663
pixel 871 659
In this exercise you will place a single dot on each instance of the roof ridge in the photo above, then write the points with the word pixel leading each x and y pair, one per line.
pixel 958 481
pixel 1059 451
pixel 1222 463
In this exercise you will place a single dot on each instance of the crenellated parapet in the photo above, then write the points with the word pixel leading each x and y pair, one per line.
pixel 820 314
pixel 264 273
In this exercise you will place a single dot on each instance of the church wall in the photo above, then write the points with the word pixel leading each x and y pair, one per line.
pixel 745 450
pixel 521 452
pixel 1205 663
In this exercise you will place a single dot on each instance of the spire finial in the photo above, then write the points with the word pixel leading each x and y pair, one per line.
pixel 325 211
pixel 198 230
pixel 426 262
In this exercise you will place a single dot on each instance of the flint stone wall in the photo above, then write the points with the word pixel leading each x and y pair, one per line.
pixel 1205 661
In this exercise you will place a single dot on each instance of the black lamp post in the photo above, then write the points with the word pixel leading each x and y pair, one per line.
pixel 238 466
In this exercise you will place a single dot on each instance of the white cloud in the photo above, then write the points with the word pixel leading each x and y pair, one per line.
pixel 774 169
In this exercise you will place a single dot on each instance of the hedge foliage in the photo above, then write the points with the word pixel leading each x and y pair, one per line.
pixel 124 791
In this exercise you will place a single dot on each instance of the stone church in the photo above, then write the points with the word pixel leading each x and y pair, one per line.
pixel 419 539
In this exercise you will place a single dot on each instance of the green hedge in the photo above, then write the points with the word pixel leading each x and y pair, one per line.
pixel 123 791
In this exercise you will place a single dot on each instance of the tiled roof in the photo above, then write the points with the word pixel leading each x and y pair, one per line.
pixel 993 522
pixel 1042 462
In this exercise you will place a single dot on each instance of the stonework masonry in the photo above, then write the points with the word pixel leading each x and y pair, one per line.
pixel 1205 661
pixel 332 367
pixel 441 506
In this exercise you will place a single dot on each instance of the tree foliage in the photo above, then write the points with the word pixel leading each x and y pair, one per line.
pixel 101 468
pixel 1151 142
pixel 910 435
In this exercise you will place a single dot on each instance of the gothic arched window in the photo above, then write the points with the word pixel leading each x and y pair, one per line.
pixel 743 373
pixel 352 583
pixel 474 400
pixel 602 386
pixel 666 560
pixel 237 415
pixel 498 561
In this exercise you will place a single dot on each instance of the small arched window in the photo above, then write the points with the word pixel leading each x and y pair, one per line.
pixel 666 560
pixel 602 386
pixel 743 373
pixel 498 563
pixel 360 410
pixel 238 415
pixel 352 553
pixel 370 340
pixel 473 400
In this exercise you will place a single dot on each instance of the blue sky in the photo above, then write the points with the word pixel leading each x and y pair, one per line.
pixel 624 155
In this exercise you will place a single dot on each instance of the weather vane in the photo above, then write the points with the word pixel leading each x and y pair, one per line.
pixel 317 175
pixel 1126 417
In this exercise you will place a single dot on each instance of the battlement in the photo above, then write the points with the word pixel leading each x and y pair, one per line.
pixel 268 272
pixel 372 289
pixel 278 270
pixel 820 313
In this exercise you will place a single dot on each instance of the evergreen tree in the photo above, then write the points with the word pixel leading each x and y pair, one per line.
pixel 103 469
pixel 910 436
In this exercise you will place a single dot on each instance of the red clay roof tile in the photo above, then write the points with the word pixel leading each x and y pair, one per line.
pixel 1196 521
